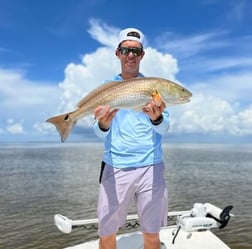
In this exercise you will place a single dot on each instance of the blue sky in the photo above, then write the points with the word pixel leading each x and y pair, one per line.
pixel 54 52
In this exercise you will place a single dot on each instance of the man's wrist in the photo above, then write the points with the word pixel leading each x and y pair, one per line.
pixel 158 120
pixel 103 128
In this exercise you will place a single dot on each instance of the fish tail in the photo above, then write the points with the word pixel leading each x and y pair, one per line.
pixel 63 125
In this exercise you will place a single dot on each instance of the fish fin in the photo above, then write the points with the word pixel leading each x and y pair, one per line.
pixel 157 98
pixel 63 125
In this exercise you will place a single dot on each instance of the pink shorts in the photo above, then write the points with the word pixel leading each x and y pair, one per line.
pixel 119 187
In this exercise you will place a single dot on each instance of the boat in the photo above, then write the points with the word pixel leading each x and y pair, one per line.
pixel 191 229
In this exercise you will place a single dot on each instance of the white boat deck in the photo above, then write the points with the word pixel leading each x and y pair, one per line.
pixel 184 240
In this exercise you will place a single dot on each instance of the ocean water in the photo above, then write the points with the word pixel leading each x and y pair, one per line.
pixel 38 180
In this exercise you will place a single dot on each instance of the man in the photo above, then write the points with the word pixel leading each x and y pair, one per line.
pixel 132 167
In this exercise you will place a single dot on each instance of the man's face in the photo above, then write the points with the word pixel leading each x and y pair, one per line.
pixel 130 55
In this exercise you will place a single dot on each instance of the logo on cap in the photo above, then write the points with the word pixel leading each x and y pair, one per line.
pixel 134 34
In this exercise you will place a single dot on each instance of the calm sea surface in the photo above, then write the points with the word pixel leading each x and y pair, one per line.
pixel 40 180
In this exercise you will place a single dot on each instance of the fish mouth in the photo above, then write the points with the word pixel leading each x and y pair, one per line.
pixel 183 99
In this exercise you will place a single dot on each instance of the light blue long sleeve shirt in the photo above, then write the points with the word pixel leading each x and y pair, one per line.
pixel 132 140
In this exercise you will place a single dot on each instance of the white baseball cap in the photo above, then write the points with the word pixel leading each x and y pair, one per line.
pixel 132 34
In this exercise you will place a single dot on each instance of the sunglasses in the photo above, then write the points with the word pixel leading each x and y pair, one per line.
pixel 126 51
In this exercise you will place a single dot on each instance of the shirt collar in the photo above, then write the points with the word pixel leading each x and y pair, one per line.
pixel 119 77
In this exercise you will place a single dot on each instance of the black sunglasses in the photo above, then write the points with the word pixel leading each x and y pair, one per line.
pixel 126 51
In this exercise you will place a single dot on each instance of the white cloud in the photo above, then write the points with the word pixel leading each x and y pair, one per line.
pixel 103 33
pixel 192 45
pixel 14 127
pixel 204 114
pixel 25 100
pixel 233 88
pixel 166 67
pixel 241 123
pixel 43 128
pixel 18 93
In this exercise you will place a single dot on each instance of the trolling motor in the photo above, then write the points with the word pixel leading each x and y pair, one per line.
pixel 204 217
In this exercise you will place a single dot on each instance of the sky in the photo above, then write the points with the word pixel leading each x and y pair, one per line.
pixel 52 53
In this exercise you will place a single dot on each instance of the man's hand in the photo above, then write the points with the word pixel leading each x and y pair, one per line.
pixel 104 115
pixel 154 111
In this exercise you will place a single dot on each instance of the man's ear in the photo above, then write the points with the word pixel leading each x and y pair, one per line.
pixel 142 55
pixel 117 52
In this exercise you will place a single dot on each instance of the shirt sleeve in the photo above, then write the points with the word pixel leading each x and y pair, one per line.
pixel 164 126
pixel 97 130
